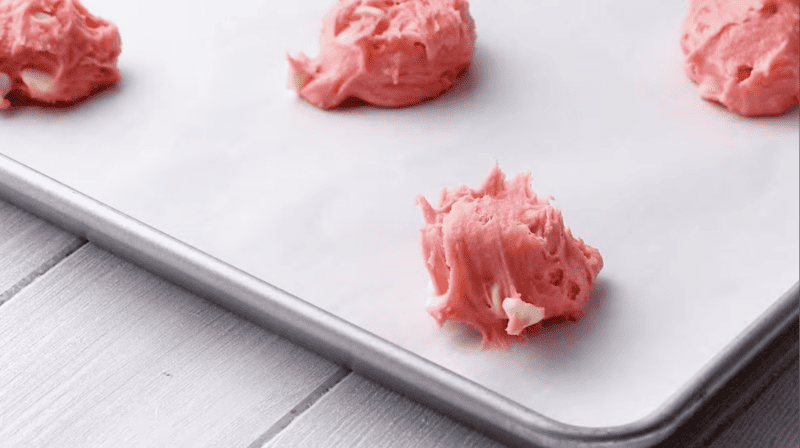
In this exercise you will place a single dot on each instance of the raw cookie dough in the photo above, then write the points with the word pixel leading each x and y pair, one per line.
pixel 387 53
pixel 55 51
pixel 744 53
pixel 502 260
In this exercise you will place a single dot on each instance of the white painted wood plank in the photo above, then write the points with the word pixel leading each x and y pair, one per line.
pixel 360 413
pixel 28 247
pixel 98 353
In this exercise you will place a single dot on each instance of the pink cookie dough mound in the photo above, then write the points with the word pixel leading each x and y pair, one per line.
pixel 387 53
pixel 744 53
pixel 55 51
pixel 502 261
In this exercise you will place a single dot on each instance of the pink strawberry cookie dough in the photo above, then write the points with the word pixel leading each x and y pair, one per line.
pixel 744 53
pixel 387 53
pixel 501 260
pixel 54 51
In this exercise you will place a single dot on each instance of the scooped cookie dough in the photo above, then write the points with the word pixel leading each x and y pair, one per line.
pixel 55 51
pixel 744 53
pixel 501 259
pixel 387 53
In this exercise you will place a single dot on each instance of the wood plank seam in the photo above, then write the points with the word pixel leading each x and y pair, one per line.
pixel 298 410
pixel 106 354
pixel 41 270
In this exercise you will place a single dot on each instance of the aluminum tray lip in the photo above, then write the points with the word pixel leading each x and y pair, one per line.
pixel 357 349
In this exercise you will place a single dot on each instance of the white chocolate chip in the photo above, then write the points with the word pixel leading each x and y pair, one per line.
pixel 525 312
pixel 496 298
pixel 709 86
pixel 42 15
pixel 370 11
pixel 37 79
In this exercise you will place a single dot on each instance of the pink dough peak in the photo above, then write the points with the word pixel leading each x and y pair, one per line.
pixel 55 51
pixel 744 53
pixel 389 53
pixel 501 260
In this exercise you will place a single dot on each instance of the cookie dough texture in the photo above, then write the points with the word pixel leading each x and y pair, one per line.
pixel 55 51
pixel 501 260
pixel 744 53
pixel 389 53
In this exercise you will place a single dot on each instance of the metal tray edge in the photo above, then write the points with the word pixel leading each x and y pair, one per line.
pixel 357 349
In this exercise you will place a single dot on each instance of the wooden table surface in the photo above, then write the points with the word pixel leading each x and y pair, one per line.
pixel 98 352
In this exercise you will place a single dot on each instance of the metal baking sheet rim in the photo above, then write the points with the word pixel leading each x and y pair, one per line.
pixel 359 350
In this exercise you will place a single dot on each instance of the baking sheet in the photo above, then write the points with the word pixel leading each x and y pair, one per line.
pixel 695 210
